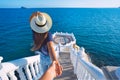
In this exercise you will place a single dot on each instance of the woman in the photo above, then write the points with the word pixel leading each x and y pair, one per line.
pixel 40 24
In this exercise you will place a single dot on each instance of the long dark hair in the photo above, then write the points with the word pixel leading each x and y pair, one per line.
pixel 38 39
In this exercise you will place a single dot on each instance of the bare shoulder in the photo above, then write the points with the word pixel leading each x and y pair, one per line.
pixel 50 44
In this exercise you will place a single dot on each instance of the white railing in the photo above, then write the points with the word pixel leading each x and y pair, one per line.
pixel 66 47
pixel 85 70
pixel 21 69
pixel 69 34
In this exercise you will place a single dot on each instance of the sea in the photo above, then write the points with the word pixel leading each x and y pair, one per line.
pixel 95 29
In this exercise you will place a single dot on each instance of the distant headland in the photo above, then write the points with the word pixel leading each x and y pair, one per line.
pixel 22 7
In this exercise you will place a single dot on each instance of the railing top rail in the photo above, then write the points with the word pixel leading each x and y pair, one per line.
pixel 15 64
pixel 93 70
pixel 96 72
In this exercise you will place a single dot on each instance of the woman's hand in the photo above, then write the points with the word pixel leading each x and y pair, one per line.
pixel 53 69
pixel 56 68
pixel 59 69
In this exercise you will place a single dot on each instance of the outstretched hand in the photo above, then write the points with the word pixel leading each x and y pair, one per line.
pixel 53 71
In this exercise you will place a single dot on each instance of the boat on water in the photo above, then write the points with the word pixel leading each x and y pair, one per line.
pixel 76 64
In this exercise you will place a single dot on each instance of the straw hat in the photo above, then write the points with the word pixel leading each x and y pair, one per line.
pixel 40 22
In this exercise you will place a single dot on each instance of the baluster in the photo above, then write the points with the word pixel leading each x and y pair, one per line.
pixel 39 67
pixel 36 69
pixel 83 72
pixel 85 75
pixel 21 74
pixel 80 69
pixel 89 77
pixel 32 70
pixel 12 75
pixel 28 73
pixel 77 72
pixel 75 64
pixel 4 77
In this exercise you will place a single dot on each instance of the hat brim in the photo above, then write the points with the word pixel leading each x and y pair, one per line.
pixel 43 29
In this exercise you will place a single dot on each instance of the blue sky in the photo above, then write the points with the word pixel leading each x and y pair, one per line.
pixel 58 3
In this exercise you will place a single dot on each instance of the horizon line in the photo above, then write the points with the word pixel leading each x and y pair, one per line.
pixel 59 7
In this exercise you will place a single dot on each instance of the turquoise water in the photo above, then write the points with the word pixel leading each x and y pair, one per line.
pixel 96 29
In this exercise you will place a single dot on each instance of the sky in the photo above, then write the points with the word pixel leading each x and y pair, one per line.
pixel 58 3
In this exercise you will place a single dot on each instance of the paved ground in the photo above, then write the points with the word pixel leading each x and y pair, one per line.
pixel 68 73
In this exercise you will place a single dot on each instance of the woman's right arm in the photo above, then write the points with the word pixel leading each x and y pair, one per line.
pixel 52 54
